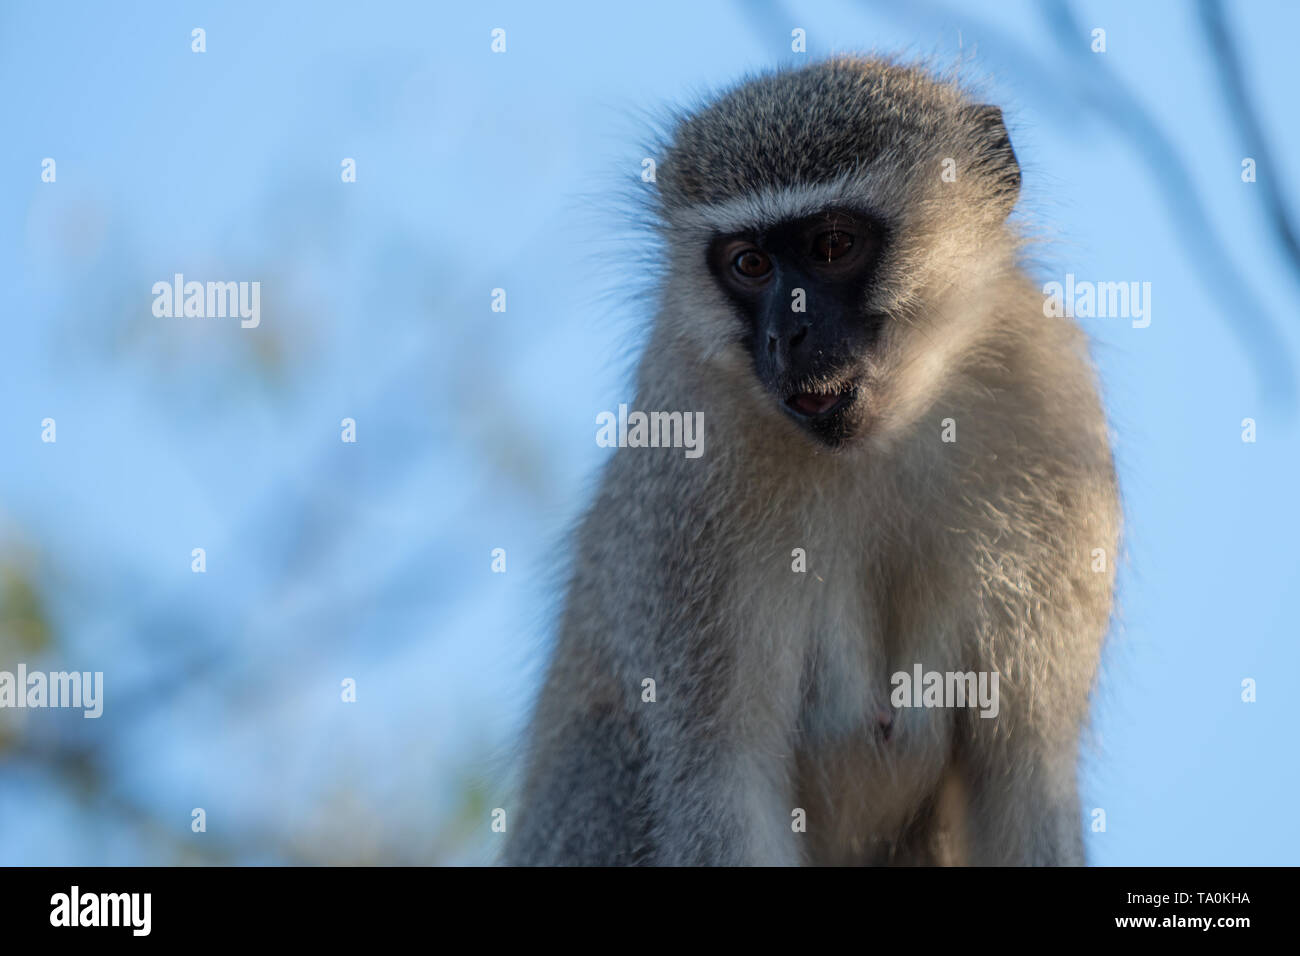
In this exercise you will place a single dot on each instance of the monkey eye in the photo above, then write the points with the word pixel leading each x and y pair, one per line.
pixel 829 246
pixel 752 263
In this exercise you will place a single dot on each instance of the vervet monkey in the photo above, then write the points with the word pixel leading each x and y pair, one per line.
pixel 920 436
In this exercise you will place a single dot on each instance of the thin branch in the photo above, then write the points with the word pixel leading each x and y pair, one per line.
pixel 1241 107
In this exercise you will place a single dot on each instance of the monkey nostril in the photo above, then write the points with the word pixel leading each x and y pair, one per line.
pixel 798 337
pixel 771 342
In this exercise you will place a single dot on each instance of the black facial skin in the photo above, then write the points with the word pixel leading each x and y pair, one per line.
pixel 810 360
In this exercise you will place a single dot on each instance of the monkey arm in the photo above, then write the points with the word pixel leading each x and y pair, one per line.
pixel 1044 624
pixel 1023 804
pixel 648 748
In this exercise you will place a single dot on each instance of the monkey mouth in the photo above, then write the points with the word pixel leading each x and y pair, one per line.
pixel 822 403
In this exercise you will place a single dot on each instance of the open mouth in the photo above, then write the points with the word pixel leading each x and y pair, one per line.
pixel 820 404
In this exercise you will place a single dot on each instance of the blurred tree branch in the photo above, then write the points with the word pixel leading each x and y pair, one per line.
pixel 1238 305
pixel 1241 108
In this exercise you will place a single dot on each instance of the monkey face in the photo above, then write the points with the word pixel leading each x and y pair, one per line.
pixel 838 259
pixel 799 287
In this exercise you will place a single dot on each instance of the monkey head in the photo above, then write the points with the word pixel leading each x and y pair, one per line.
pixel 832 232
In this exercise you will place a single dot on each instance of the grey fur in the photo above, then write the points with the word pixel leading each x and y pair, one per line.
pixel 973 555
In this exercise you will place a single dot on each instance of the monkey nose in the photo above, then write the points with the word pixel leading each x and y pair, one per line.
pixel 784 348
pixel 793 339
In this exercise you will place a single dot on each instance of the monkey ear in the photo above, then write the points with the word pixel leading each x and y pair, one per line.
pixel 996 155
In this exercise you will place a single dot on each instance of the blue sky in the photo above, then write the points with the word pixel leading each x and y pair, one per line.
pixel 478 171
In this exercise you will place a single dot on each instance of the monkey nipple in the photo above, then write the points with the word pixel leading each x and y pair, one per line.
pixel 885 718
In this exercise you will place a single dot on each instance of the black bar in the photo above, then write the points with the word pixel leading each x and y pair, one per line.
pixel 333 905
